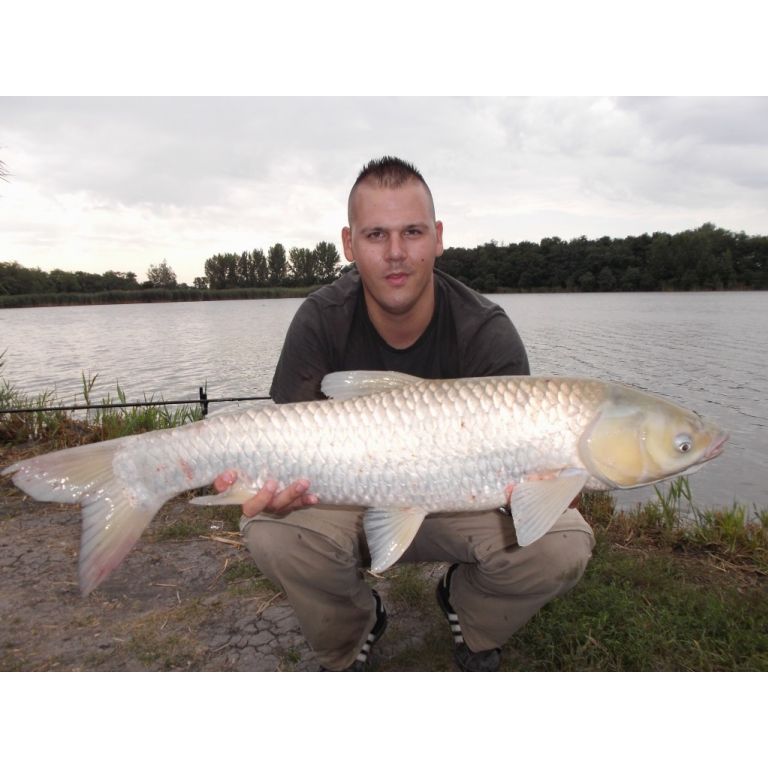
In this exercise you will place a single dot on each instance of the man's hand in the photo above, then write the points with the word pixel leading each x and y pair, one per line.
pixel 268 499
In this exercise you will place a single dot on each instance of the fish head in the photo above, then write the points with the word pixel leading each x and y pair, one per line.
pixel 638 438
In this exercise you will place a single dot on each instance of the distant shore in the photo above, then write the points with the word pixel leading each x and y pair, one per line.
pixel 151 296
pixel 160 295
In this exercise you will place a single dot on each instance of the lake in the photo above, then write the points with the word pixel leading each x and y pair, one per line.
pixel 707 351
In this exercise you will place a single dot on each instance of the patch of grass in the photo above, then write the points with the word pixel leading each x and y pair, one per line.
pixel 241 570
pixel 732 531
pixel 187 521
pixel 63 429
pixel 288 659
pixel 434 653
pixel 663 592
pixel 646 611
pixel 407 585
pixel 181 529
pixel 228 516
pixel 254 587
pixel 165 640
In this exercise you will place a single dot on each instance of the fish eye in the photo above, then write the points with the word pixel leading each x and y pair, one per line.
pixel 683 443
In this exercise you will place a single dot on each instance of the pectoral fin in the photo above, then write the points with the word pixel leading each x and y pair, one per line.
pixel 389 533
pixel 536 504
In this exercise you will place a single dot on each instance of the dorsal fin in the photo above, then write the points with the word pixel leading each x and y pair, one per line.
pixel 342 385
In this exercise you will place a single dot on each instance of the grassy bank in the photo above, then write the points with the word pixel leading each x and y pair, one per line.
pixel 663 592
pixel 671 585
pixel 150 295
pixel 43 430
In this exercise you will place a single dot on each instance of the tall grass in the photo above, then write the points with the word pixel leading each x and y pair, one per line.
pixel 675 520
pixel 64 428
pixel 149 295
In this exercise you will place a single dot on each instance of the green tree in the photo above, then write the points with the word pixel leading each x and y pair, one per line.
pixel 119 281
pixel 221 271
pixel 587 282
pixel 631 279
pixel 64 282
pixel 161 275
pixel 661 259
pixel 246 274
pixel 278 264
pixel 606 280
pixel 260 267
pixel 725 268
pixel 327 260
pixel 303 266
pixel 16 279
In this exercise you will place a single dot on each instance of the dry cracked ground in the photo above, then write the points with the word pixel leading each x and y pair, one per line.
pixel 188 597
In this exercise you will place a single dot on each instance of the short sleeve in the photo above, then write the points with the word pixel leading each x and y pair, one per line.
pixel 495 349
pixel 304 359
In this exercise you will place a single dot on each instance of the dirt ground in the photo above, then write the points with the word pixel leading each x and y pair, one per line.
pixel 192 601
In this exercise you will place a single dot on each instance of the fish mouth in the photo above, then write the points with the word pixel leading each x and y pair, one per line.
pixel 716 447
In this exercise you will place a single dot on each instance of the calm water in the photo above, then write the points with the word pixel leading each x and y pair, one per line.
pixel 708 351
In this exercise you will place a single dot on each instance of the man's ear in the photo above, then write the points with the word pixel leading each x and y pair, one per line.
pixel 346 241
pixel 439 234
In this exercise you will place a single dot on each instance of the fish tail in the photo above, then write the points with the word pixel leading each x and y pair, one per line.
pixel 114 514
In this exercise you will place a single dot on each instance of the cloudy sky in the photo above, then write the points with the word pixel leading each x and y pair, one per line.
pixel 121 183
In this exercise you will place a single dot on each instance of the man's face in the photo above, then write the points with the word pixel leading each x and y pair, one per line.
pixel 394 240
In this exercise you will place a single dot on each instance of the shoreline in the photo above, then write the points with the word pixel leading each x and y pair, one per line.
pixel 174 296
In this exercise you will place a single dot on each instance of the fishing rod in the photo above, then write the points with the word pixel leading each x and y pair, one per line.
pixel 203 401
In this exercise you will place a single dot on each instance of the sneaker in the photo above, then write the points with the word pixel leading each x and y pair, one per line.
pixel 466 659
pixel 360 664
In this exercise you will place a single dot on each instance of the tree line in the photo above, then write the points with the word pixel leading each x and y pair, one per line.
pixel 298 267
pixel 252 269
pixel 707 258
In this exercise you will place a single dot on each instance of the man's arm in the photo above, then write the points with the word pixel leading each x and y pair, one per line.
pixel 495 349
pixel 304 359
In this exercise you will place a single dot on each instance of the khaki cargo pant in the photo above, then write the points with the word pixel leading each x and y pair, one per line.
pixel 317 556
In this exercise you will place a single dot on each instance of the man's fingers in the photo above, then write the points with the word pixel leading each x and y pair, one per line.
pixel 224 480
pixel 267 499
pixel 261 501
pixel 291 496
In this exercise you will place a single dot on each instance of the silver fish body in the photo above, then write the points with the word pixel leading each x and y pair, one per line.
pixel 398 446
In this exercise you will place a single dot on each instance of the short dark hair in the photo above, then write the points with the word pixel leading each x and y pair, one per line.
pixel 388 171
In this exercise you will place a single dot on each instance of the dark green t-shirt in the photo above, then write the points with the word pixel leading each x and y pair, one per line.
pixel 331 331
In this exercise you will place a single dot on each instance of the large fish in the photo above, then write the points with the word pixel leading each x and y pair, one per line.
pixel 399 446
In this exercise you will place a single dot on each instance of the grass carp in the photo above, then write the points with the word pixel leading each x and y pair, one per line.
pixel 398 446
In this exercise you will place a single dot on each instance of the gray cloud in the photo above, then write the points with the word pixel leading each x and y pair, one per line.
pixel 183 177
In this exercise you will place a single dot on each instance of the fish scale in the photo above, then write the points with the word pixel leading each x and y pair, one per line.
pixel 399 446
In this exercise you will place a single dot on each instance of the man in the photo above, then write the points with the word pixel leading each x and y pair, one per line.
pixel 395 311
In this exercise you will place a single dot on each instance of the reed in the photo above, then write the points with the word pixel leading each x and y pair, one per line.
pixel 151 295
pixel 675 520
pixel 64 428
